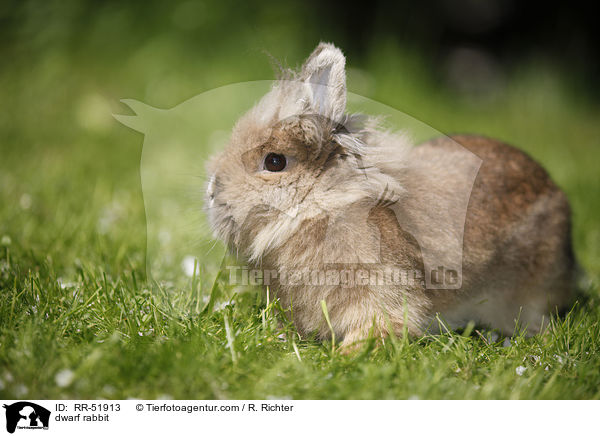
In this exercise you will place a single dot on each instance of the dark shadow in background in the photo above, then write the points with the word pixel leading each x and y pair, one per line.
pixel 508 31
pixel 505 32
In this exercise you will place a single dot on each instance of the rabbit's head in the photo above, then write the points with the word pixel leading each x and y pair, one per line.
pixel 293 157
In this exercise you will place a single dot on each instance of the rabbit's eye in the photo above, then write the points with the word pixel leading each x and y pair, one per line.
pixel 275 162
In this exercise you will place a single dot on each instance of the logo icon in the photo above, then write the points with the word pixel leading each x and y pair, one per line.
pixel 26 415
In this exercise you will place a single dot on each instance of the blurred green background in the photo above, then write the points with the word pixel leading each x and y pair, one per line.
pixel 71 204
pixel 502 69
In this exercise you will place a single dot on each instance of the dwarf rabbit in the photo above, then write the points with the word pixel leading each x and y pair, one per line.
pixel 325 201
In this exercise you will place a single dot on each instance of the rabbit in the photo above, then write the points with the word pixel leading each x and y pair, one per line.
pixel 302 186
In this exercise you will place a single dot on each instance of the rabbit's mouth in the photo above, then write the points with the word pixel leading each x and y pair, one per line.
pixel 222 222
pixel 219 214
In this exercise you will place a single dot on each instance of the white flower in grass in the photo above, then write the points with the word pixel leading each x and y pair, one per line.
pixel 64 378
pixel 188 265
pixel 222 305
pixel 65 285
pixel 21 390
pixel 109 390
pixel 520 370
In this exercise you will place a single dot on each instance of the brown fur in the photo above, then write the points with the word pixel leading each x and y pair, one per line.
pixel 517 260
pixel 353 196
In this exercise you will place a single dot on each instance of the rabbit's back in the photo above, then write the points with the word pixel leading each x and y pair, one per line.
pixel 517 255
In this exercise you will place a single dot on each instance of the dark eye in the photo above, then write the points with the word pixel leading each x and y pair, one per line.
pixel 275 162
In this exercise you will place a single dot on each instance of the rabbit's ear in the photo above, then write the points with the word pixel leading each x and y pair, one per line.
pixel 325 78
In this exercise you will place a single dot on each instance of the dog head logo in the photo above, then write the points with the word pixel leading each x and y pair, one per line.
pixel 178 141
pixel 26 415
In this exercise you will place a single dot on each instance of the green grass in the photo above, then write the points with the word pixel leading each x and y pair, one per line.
pixel 121 341
pixel 80 319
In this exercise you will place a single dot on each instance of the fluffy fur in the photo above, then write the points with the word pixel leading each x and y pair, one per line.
pixel 352 194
